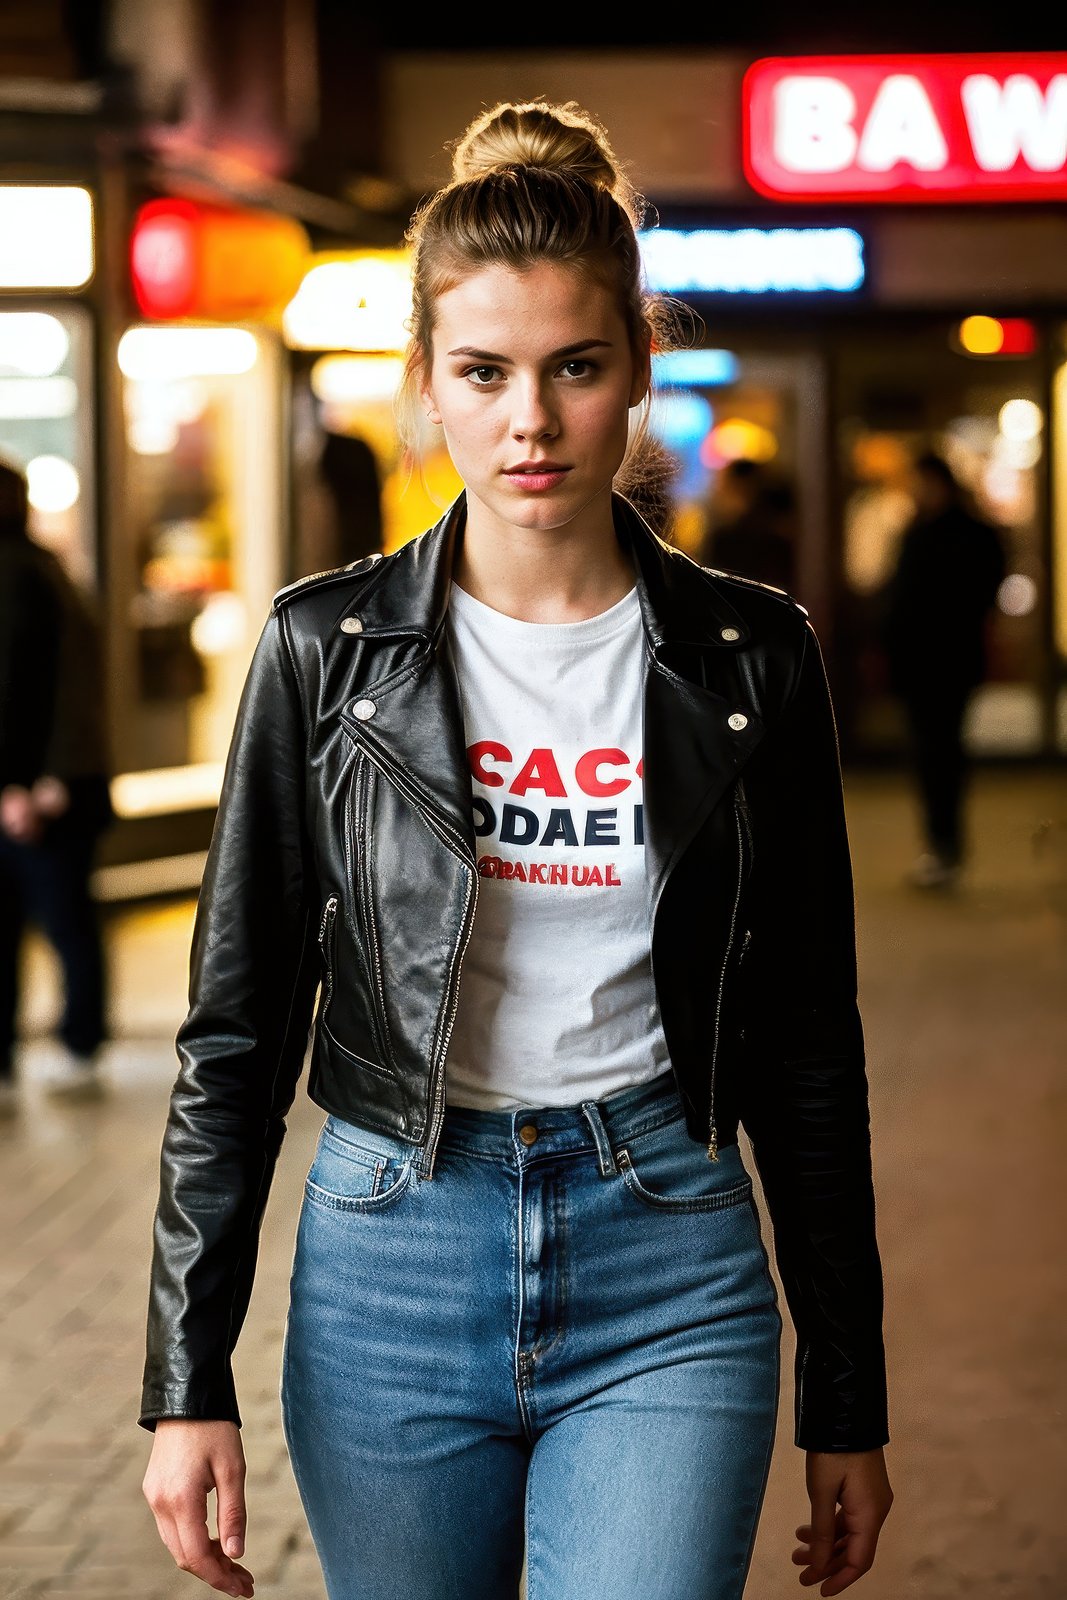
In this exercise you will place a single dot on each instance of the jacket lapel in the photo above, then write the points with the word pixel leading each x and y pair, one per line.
pixel 692 752
pixel 416 733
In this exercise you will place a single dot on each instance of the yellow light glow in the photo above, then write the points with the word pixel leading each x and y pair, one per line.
pixel 161 790
pixel 981 336
pixel 1020 420
pixel 347 380
pixel 1017 595
pixel 735 438
pixel 46 236
pixel 156 412
pixel 32 344
pixel 152 434
pixel 159 355
pixel 52 484
pixel 37 397
pixel 220 626
pixel 357 301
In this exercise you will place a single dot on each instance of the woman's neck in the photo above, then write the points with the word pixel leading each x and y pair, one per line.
pixel 538 575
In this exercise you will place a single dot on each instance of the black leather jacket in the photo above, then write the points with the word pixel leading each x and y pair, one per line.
pixel 342 868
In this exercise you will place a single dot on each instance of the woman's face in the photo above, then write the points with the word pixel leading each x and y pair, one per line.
pixel 532 380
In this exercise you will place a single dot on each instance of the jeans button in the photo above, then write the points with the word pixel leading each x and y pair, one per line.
pixel 528 1133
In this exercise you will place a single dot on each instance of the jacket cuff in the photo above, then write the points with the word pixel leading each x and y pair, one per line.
pixel 841 1412
pixel 189 1403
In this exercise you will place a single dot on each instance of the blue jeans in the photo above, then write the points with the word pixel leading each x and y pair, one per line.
pixel 563 1349
pixel 48 884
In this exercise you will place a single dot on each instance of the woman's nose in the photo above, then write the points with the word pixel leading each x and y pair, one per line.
pixel 533 417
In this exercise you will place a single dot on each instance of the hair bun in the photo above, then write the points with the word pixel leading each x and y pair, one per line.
pixel 535 133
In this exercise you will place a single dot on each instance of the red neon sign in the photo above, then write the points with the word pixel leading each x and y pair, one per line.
pixel 893 128
pixel 189 260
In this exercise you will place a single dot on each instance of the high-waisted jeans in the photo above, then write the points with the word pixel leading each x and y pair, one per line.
pixel 556 1362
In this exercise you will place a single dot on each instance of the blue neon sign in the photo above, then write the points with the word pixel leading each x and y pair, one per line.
pixel 753 260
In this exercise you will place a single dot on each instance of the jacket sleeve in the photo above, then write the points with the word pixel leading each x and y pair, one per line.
pixel 806 1105
pixel 241 1047
pixel 30 637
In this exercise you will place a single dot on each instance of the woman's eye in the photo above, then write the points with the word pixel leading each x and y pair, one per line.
pixel 577 369
pixel 480 376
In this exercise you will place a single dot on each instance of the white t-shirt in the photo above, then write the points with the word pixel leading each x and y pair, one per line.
pixel 556 1002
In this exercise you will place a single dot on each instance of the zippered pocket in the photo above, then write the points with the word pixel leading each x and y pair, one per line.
pixel 331 1024
pixel 364 898
pixel 329 915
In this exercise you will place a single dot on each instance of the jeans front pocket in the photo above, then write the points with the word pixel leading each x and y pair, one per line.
pixel 664 1168
pixel 356 1170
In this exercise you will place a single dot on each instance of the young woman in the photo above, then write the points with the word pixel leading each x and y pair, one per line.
pixel 549 819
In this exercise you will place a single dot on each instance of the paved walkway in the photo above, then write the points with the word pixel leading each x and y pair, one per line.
pixel 967 1040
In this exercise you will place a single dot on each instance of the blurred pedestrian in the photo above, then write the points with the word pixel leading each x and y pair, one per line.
pixel 349 471
pixel 747 532
pixel 936 613
pixel 531 1311
pixel 55 800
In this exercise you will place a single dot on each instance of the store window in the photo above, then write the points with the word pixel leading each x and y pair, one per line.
pixel 46 426
pixel 744 472
pixel 904 391
pixel 204 505
pixel 355 488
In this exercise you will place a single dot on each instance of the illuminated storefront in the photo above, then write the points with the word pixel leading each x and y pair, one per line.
pixel 47 413
pixel 203 545
pixel 355 489
pixel 917 328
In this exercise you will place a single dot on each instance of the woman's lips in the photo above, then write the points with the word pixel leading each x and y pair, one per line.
pixel 535 480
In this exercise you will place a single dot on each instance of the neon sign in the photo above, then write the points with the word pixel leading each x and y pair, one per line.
pixel 753 260
pixel 893 128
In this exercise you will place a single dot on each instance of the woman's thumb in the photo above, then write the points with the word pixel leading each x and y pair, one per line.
pixel 232 1518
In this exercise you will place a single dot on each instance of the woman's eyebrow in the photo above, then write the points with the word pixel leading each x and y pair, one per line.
pixel 553 355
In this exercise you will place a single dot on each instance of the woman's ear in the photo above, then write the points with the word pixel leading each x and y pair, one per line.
pixel 642 378
pixel 428 404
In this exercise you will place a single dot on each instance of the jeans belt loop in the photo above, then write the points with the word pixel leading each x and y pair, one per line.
pixel 604 1154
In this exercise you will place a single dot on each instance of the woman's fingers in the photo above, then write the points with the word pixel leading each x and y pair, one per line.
pixel 189 1459
pixel 821 1536
pixel 204 1557
pixel 231 1514
pixel 838 1545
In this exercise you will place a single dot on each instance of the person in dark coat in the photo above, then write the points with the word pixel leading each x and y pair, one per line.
pixel 55 799
pixel 936 610
pixel 348 468
pixel 747 534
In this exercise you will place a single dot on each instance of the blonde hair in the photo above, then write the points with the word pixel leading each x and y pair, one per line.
pixel 531 181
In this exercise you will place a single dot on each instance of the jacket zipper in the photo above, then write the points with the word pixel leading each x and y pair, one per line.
pixel 713 1133
pixel 379 1018
pixel 437 1076
pixel 329 912
pixel 453 843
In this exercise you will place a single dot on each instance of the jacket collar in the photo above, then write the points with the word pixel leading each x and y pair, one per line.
pixel 692 751
pixel 680 602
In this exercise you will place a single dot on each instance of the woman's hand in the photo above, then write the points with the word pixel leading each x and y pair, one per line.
pixel 188 1460
pixel 19 817
pixel 51 796
pixel 838 1545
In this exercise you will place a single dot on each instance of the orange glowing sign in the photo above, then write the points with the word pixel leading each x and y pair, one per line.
pixel 893 128
pixel 229 265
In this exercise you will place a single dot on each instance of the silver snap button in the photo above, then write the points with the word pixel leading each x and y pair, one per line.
pixel 364 709
pixel 730 634
pixel 352 625
pixel 737 721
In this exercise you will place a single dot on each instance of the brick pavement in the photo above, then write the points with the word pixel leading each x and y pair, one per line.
pixel 963 999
